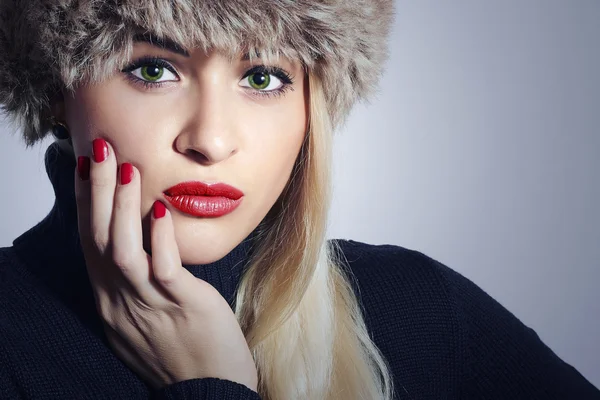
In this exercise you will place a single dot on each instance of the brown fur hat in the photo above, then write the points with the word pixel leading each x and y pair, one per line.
pixel 49 45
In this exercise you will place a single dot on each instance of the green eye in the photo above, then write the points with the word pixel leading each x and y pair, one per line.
pixel 259 80
pixel 152 72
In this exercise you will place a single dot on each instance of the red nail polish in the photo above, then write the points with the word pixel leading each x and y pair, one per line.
pixel 83 167
pixel 99 150
pixel 126 173
pixel 159 209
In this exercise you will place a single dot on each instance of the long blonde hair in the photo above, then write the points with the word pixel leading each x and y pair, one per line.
pixel 295 304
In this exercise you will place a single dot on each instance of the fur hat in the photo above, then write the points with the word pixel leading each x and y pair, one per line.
pixel 49 45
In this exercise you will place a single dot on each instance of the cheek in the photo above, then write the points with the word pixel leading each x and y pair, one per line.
pixel 273 151
pixel 95 111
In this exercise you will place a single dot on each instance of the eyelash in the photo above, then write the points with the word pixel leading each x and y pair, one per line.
pixel 279 73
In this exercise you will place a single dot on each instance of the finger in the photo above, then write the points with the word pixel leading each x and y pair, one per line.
pixel 82 199
pixel 82 192
pixel 126 234
pixel 98 276
pixel 177 282
pixel 103 179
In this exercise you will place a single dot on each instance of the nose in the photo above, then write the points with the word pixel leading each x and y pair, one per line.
pixel 208 133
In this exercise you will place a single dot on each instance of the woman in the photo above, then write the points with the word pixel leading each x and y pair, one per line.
pixel 185 256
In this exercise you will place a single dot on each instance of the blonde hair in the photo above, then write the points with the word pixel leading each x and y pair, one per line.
pixel 295 304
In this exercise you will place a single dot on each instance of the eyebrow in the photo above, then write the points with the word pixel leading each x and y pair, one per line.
pixel 165 43
pixel 168 44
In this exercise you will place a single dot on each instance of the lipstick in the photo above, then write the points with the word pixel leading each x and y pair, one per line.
pixel 200 199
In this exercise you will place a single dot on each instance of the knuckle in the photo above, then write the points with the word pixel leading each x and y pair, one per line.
pixel 165 278
pixel 106 311
pixel 101 181
pixel 123 260
pixel 113 320
pixel 123 202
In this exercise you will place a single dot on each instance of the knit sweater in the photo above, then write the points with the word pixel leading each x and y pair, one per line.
pixel 443 336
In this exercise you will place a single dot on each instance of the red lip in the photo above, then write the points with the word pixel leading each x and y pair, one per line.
pixel 203 200
pixel 203 189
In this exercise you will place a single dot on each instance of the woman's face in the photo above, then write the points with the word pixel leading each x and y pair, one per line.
pixel 198 117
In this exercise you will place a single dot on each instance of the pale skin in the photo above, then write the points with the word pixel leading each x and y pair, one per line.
pixel 205 123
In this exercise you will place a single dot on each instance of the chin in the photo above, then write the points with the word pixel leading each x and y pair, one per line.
pixel 198 248
pixel 206 241
pixel 207 257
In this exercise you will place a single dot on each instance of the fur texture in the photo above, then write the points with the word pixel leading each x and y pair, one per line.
pixel 49 45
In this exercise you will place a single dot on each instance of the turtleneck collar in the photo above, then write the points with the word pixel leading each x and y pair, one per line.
pixel 51 250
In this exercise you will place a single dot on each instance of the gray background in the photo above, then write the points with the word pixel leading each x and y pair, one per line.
pixel 481 151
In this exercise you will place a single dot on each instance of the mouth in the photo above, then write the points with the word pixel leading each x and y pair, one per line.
pixel 203 200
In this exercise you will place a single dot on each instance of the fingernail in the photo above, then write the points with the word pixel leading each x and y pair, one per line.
pixel 126 173
pixel 159 209
pixel 83 167
pixel 99 150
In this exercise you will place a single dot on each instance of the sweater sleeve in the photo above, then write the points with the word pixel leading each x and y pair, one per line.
pixel 505 358
pixel 205 389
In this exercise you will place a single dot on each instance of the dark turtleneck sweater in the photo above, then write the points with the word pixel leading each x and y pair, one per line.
pixel 443 337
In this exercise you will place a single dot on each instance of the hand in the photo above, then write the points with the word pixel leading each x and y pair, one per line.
pixel 163 322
